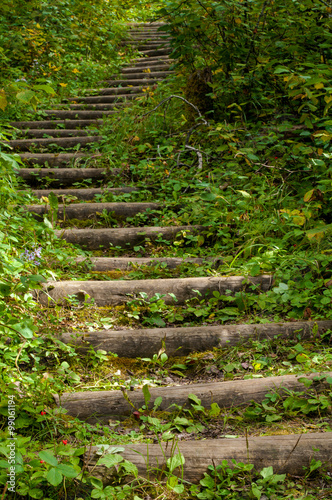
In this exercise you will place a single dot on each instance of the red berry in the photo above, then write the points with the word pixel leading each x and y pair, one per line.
pixel 64 441
pixel 42 461
pixel 43 412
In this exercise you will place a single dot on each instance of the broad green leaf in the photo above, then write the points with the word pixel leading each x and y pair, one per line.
pixel 26 96
pixel 48 458
pixel 175 461
pixel 147 395
pixel 67 470
pixel 54 476
pixel 3 100
pixel 110 460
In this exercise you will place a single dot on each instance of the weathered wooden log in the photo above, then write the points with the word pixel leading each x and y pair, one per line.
pixel 83 193
pixel 152 74
pixel 94 406
pixel 115 91
pixel 291 454
pixel 146 67
pixel 56 132
pixel 127 237
pixel 127 263
pixel 145 80
pixel 67 124
pixel 106 98
pixel 52 159
pixel 62 176
pixel 84 211
pixel 64 114
pixel 64 142
pixel 106 293
pixel 183 341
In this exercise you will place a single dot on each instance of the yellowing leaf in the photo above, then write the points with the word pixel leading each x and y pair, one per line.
pixel 308 196
pixel 3 100
pixel 238 20
pixel 136 138
pixel 63 84
pixel 319 86
pixel 75 70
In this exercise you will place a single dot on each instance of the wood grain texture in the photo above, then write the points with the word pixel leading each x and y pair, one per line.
pixel 286 454
pixel 126 237
pixel 84 211
pixel 117 292
pixel 182 341
pixel 94 406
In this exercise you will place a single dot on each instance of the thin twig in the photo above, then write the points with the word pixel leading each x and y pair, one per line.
pixel 182 99
pixel 255 33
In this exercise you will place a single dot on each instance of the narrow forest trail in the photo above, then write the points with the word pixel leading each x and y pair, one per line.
pixel 76 122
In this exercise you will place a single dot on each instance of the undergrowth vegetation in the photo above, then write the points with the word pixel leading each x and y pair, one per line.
pixel 248 159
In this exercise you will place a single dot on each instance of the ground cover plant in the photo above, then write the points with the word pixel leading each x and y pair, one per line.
pixel 237 141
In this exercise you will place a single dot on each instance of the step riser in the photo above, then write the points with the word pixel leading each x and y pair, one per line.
pixel 161 67
pixel 53 160
pixel 94 239
pixel 85 211
pixel 39 133
pixel 290 454
pixel 52 124
pixel 64 176
pixel 26 144
pixel 184 341
pixel 104 405
pixel 127 263
pixel 106 293
pixel 85 194
pixel 62 114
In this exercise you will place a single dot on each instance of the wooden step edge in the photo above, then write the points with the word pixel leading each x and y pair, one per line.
pixel 82 193
pixel 290 454
pixel 94 239
pixel 127 263
pixel 105 293
pixel 182 341
pixel 83 211
pixel 93 406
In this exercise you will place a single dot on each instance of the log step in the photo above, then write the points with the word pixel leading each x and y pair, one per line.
pixel 127 263
pixel 185 340
pixel 83 193
pixel 145 69
pixel 82 211
pixel 63 176
pixel 145 80
pixel 128 237
pixel 53 159
pixel 105 293
pixel 64 142
pixel 94 406
pixel 103 105
pixel 53 124
pixel 110 90
pixel 64 114
pixel 290 454
pixel 56 132
pixel 151 74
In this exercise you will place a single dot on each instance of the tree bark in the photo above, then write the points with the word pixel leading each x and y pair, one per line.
pixel 95 406
pixel 116 292
pixel 289 454
pixel 183 341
